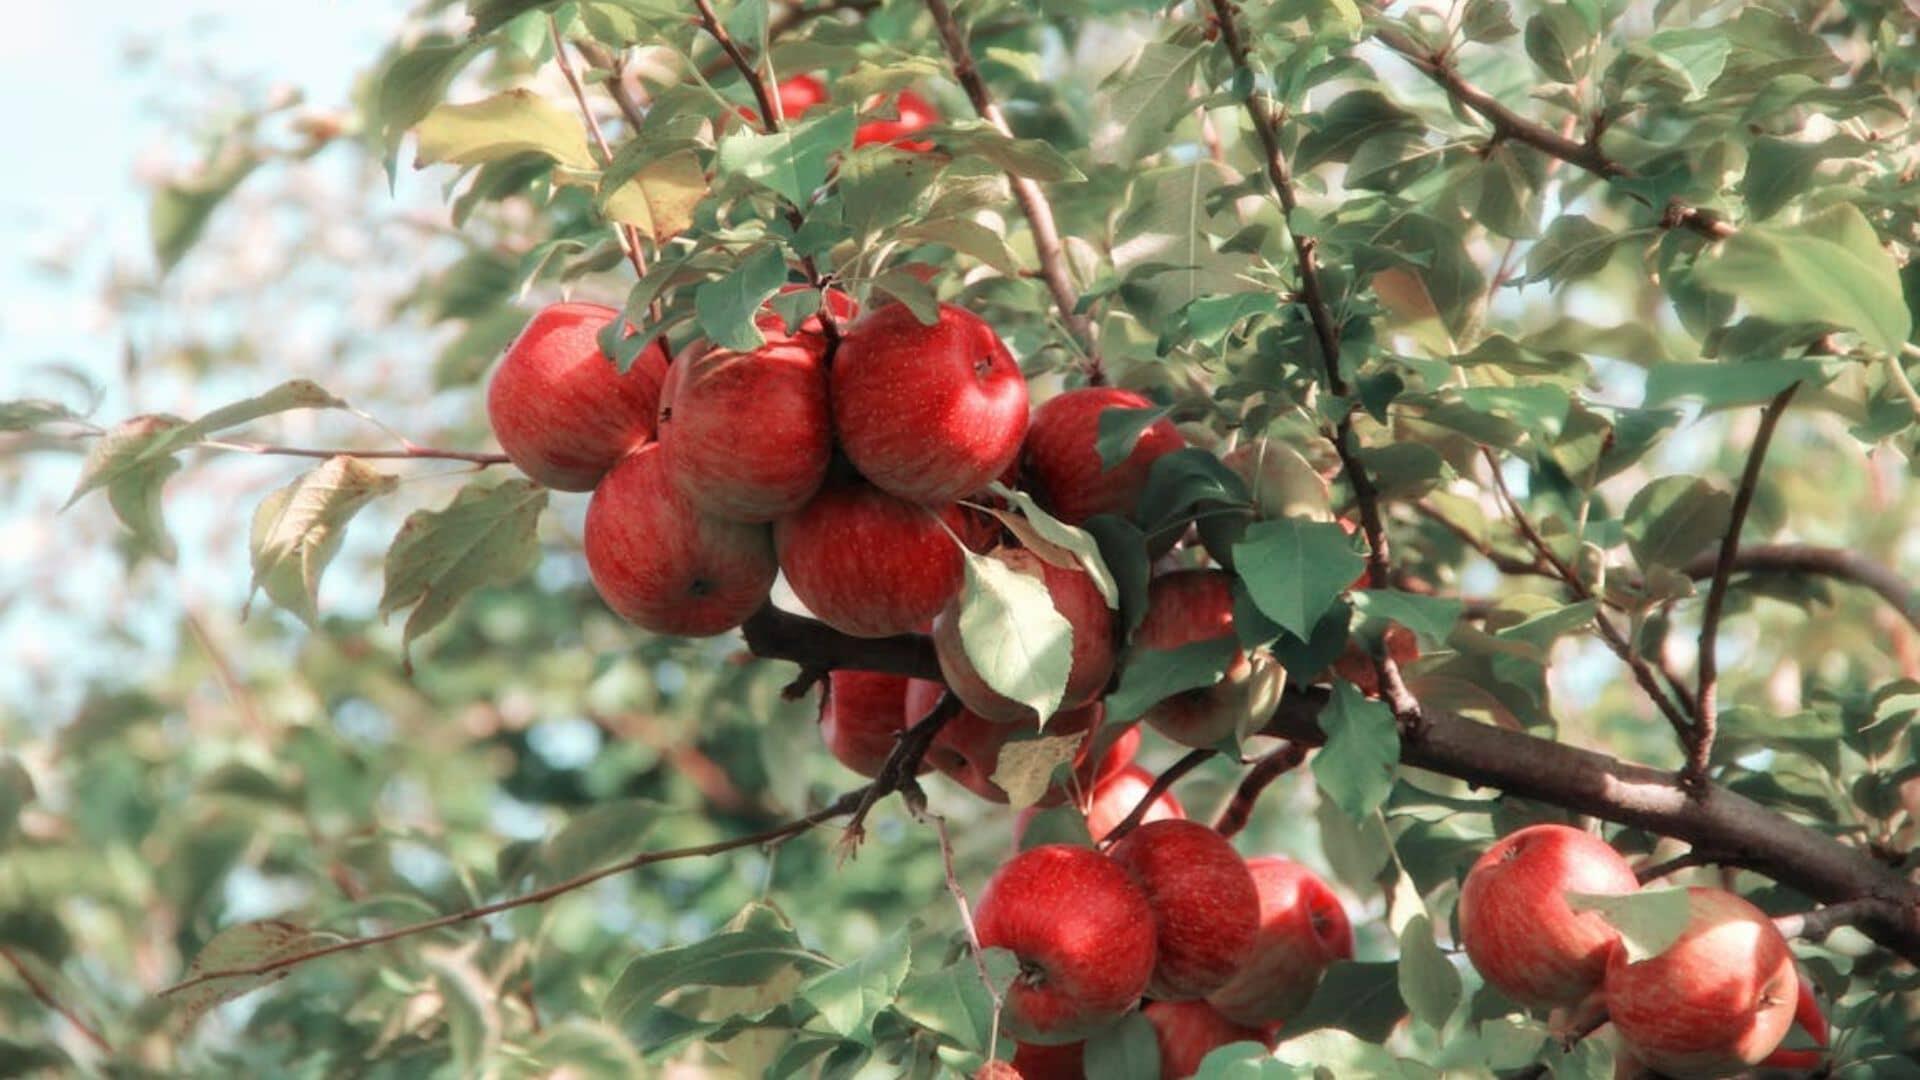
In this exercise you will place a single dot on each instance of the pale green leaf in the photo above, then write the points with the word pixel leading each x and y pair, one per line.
pixel 485 536
pixel 298 529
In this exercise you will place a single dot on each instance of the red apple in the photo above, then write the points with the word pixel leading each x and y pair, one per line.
pixel 558 406
pixel 1114 798
pixel 861 716
pixel 1515 921
pixel 1077 599
pixel 1189 606
pixel 796 96
pixel 1062 456
pixel 661 563
pixel 1356 665
pixel 914 112
pixel 929 413
pixel 870 564
pixel 1717 1001
pixel 1303 930
pixel 967 749
pixel 1190 1030
pixel 1065 1062
pixel 747 435
pixel 1206 910
pixel 1083 933
pixel 998 1070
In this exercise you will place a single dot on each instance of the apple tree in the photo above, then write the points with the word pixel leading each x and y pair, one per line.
pixel 1081 538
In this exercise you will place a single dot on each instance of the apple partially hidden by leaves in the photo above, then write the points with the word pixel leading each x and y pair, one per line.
pixel 870 564
pixel 1303 930
pixel 1188 1031
pixel 1077 600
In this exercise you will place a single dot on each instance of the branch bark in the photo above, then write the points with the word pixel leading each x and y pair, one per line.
pixel 1239 810
pixel 1706 709
pixel 1193 760
pixel 1033 202
pixel 1838 563
pixel 1743 832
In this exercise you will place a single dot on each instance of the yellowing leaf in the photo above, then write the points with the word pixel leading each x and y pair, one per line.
pixel 298 528
pixel 660 198
pixel 1026 767
pixel 247 945
pixel 514 122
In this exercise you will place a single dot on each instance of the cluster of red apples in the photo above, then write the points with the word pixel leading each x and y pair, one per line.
pixel 1716 1002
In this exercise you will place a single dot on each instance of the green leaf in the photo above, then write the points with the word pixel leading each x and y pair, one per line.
pixel 1128 1050
pixel 180 209
pixel 966 237
pixel 298 529
pixel 1828 270
pixel 952 1001
pixel 122 450
pixel 1120 429
pixel 1561 42
pixel 849 998
pixel 1722 386
pixel 1034 159
pixel 1356 766
pixel 1358 997
pixel 1649 921
pixel 412 84
pixel 1348 122
pixel 1573 248
pixel 1779 169
pixel 1487 21
pixel 658 198
pixel 244 945
pixel 25 414
pixel 745 957
pixel 601 836
pixel 1675 518
pixel 1012 634
pixel 1154 675
pixel 135 497
pixel 1295 570
pixel 917 295
pixel 1067 546
pixel 1431 617
pixel 880 186
pixel 1428 981
pixel 725 309
pixel 511 122
pixel 485 536
pixel 793 161
pixel 1149 94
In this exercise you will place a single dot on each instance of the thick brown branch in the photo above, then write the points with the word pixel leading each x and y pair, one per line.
pixel 1706 711
pixel 1193 760
pixel 1815 925
pixel 1686 861
pixel 1033 202
pixel 1239 810
pixel 782 635
pixel 1838 563
pixel 45 997
pixel 1746 834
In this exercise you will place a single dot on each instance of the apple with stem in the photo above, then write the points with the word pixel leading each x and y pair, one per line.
pixel 1061 460
pixel 1188 1031
pixel 1303 930
pixel 560 409
pixel 661 563
pixel 1206 910
pixel 871 564
pixel 930 413
pixel 1718 1001
pixel 1515 921
pixel 1079 602
pixel 1084 936
pixel 747 435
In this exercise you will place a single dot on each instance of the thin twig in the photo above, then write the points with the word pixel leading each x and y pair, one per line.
pixel 1193 760
pixel 973 935
pixel 45 997
pixel 1033 202
pixel 1815 925
pixel 1506 564
pixel 1839 563
pixel 770 120
pixel 1393 688
pixel 1686 861
pixel 845 804
pixel 1239 809
pixel 1897 375
pixel 1636 664
pixel 1706 712
pixel 1567 1042
pixel 902 765
pixel 629 236
pixel 421 453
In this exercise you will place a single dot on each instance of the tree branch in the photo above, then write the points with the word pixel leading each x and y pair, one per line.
pixel 1815 925
pixel 1838 563
pixel 1685 861
pixel 1393 688
pixel 1747 834
pixel 1706 711
pixel 1033 202
pixel 1235 815
pixel 421 453
pixel 629 236
pixel 45 997
pixel 1193 760
pixel 897 773
pixel 1508 124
